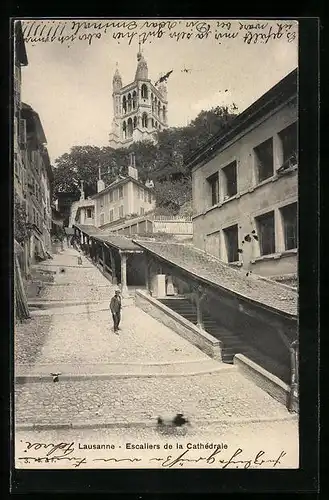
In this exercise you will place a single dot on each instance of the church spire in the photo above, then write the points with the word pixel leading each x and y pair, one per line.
pixel 117 80
pixel 142 69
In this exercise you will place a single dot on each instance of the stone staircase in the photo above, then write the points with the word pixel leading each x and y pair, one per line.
pixel 232 343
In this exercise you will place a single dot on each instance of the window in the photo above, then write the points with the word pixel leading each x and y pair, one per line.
pixel 230 179
pixel 89 213
pixel 115 195
pixel 231 242
pixel 110 196
pixel 130 127
pixel 142 211
pixel 289 223
pixel 213 184
pixel 266 234
pixel 144 120
pixel 120 192
pixel 288 138
pixel 144 91
pixel 111 215
pixel 150 197
pixel 264 160
pixel 121 212
pixel 124 104
pixel 101 219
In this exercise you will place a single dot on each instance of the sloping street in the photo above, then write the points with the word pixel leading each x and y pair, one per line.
pixel 115 386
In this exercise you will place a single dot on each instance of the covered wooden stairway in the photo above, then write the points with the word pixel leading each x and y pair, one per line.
pixel 232 344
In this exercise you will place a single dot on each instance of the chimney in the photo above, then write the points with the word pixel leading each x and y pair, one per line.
pixel 100 183
pixel 132 170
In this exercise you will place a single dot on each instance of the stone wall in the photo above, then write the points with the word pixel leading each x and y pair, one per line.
pixel 200 338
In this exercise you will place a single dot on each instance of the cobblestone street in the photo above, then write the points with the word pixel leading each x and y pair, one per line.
pixel 145 371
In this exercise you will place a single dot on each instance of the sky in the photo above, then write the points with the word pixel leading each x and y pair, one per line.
pixel 69 82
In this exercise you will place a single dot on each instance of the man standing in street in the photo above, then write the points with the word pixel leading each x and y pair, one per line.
pixel 115 306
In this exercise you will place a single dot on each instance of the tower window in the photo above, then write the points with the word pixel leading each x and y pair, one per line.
pixel 144 120
pixel 129 102
pixel 124 130
pixel 144 91
pixel 135 121
pixel 124 104
pixel 134 99
pixel 164 113
pixel 130 127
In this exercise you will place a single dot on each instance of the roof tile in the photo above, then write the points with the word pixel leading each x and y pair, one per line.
pixel 210 269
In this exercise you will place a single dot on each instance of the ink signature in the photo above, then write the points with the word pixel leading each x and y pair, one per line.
pixel 259 459
pixel 236 460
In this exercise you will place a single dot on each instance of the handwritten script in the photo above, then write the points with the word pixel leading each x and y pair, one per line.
pixel 219 458
pixel 128 31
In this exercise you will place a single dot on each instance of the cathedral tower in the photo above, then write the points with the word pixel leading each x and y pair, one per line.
pixel 139 108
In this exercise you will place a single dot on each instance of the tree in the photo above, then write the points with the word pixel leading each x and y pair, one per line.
pixel 164 162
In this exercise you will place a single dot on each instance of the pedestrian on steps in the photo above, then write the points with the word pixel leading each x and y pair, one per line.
pixel 115 306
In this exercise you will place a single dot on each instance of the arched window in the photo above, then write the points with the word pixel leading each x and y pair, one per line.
pixel 159 108
pixel 152 123
pixel 129 102
pixel 155 105
pixel 144 91
pixel 159 127
pixel 124 104
pixel 144 120
pixel 135 121
pixel 156 124
pixel 124 130
pixel 164 113
pixel 130 127
pixel 134 99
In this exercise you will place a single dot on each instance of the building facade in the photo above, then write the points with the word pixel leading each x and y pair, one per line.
pixel 32 170
pixel 37 185
pixel 139 108
pixel 125 197
pixel 245 186
pixel 19 136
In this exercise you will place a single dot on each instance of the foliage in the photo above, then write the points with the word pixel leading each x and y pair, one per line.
pixel 164 162
pixel 21 232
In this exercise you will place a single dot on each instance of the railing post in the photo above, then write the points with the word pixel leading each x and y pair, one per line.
pixel 293 403
pixel 124 288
